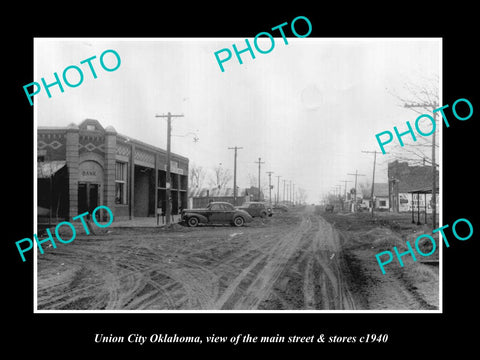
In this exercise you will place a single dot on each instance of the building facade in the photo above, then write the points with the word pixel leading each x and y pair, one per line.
pixel 102 167
pixel 403 179
pixel 380 195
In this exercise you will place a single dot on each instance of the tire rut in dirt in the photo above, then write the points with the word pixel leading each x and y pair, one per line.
pixel 259 280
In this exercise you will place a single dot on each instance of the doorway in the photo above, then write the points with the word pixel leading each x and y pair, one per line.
pixel 87 197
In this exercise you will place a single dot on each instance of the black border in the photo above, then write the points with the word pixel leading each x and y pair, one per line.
pixel 56 333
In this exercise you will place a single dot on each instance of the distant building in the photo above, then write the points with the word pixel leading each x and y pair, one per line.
pixel 202 196
pixel 403 179
pixel 380 194
pixel 80 167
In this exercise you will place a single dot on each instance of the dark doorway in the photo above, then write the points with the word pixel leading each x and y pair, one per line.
pixel 87 197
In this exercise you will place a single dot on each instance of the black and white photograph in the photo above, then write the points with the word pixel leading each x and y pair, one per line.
pixel 227 179
pixel 253 186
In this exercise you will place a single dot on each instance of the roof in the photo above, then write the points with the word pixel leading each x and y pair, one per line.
pixel 379 190
pixel 48 168
pixel 99 129
pixel 426 190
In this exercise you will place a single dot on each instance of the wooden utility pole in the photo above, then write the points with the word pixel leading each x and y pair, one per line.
pixel 270 186
pixel 290 191
pixel 345 192
pixel 168 185
pixel 373 176
pixel 432 106
pixel 259 162
pixel 356 175
pixel 293 194
pixel 284 181
pixel 235 174
pixel 278 189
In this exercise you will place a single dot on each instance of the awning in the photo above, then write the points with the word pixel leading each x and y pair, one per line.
pixel 46 169
pixel 423 191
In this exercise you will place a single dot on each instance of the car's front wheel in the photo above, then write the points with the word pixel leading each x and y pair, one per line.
pixel 192 222
pixel 238 221
pixel 263 214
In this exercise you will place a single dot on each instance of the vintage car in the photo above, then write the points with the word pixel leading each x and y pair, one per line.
pixel 329 208
pixel 280 208
pixel 256 209
pixel 216 213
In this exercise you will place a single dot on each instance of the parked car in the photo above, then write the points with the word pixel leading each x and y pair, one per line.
pixel 329 208
pixel 269 208
pixel 362 207
pixel 216 213
pixel 256 209
pixel 280 207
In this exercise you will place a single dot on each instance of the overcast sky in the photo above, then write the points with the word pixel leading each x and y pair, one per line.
pixel 307 109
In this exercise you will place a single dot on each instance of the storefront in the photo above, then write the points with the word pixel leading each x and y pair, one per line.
pixel 106 168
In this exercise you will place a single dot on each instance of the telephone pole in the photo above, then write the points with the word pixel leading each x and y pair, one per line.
pixel 235 174
pixel 259 162
pixel 168 185
pixel 278 188
pixel 356 175
pixel 345 184
pixel 290 190
pixel 293 194
pixel 270 186
pixel 432 106
pixel 345 191
pixel 373 176
pixel 284 181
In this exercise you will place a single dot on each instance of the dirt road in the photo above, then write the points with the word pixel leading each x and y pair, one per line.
pixel 290 261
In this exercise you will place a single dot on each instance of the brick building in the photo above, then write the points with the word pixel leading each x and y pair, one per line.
pixel 403 179
pixel 82 167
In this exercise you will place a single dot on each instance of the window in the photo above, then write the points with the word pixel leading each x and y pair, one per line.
pixel 383 203
pixel 216 207
pixel 121 183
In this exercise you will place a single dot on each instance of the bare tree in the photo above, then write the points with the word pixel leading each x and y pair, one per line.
pixel 253 180
pixel 365 188
pixel 421 97
pixel 301 195
pixel 196 177
pixel 221 177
